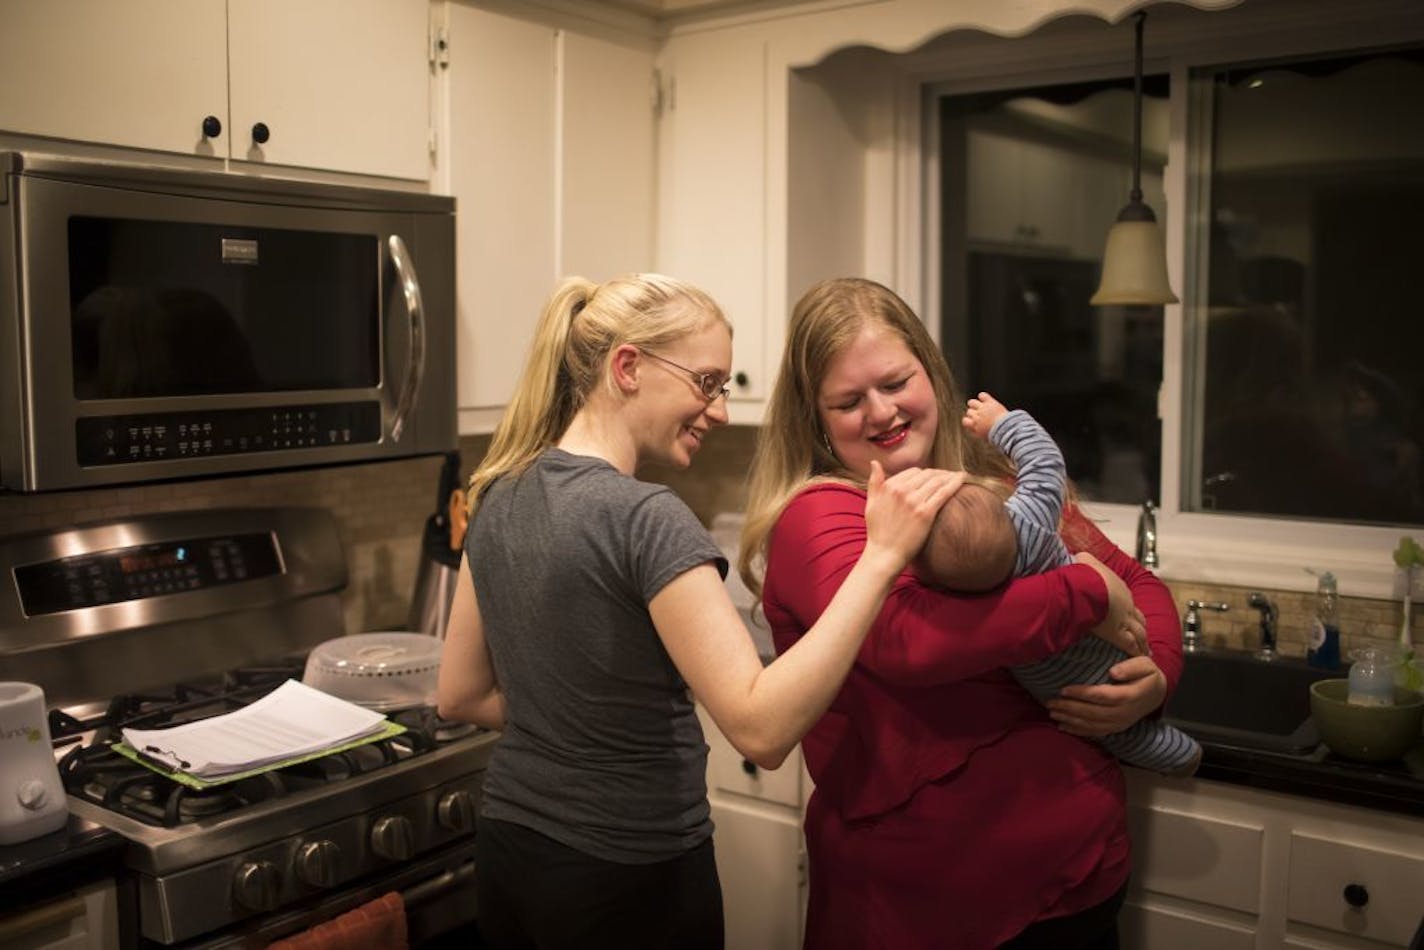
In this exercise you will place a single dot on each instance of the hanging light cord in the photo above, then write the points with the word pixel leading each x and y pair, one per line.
pixel 1135 195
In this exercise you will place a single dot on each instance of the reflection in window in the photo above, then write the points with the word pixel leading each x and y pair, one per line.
pixel 1032 180
pixel 1306 314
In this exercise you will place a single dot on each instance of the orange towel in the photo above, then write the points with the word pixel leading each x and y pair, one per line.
pixel 378 925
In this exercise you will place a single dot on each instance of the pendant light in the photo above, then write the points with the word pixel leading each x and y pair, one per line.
pixel 1135 259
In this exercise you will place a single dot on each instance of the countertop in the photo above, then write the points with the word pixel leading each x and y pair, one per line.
pixel 35 870
pixel 1389 786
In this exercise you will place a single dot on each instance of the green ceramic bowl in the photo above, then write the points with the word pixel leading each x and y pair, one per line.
pixel 1365 733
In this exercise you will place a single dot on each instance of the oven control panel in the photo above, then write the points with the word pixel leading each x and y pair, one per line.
pixel 147 570
pixel 154 437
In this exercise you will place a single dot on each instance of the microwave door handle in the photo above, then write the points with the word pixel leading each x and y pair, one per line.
pixel 415 306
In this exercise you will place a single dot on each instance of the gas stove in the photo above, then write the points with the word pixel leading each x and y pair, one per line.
pixel 243 862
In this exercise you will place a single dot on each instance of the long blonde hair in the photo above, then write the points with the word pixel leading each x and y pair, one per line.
pixel 582 324
pixel 792 448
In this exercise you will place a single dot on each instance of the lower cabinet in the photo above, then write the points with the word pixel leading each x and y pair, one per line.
pixel 761 856
pixel 1227 866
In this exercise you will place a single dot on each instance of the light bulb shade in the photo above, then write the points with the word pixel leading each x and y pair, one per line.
pixel 1134 266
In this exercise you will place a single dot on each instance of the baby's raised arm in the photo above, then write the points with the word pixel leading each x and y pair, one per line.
pixel 984 410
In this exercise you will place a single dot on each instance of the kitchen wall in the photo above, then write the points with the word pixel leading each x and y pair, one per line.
pixel 381 510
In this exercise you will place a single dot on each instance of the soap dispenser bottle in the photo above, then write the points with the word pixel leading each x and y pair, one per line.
pixel 1324 649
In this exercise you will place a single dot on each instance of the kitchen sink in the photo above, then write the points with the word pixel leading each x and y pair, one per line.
pixel 1236 699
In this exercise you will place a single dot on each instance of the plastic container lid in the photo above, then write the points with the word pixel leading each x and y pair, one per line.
pixel 378 670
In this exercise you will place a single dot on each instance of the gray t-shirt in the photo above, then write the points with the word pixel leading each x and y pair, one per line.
pixel 602 750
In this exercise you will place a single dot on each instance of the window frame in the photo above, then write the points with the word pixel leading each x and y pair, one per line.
pixel 1195 547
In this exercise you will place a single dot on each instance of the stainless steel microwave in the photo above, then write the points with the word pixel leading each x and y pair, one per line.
pixel 164 324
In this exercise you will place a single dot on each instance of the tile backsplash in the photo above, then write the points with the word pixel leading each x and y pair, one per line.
pixel 381 510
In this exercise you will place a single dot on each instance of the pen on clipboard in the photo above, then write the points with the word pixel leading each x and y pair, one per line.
pixel 174 760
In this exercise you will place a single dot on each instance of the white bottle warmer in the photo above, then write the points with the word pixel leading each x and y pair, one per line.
pixel 32 801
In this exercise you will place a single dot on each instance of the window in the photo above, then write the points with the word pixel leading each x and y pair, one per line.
pixel 1329 249
pixel 1308 327
pixel 1031 181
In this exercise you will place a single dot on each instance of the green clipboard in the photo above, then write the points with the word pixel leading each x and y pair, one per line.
pixel 123 748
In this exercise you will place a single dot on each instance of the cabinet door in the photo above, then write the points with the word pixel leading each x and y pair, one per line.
pixel 502 173
pixel 1354 890
pixel 606 158
pixel 339 84
pixel 712 187
pixel 760 865
pixel 1197 858
pixel 1144 925
pixel 142 73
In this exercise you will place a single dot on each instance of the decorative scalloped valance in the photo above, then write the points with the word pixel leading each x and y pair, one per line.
pixel 899 26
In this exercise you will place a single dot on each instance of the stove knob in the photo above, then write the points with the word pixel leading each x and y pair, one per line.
pixel 256 885
pixel 456 811
pixel 319 863
pixel 393 838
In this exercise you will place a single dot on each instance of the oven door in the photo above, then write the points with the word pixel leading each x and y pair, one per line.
pixel 438 891
pixel 187 327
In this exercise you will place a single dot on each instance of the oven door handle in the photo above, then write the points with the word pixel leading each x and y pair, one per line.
pixel 46 915
pixel 439 885
pixel 415 307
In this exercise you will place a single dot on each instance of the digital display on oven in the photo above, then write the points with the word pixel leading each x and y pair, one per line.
pixel 150 570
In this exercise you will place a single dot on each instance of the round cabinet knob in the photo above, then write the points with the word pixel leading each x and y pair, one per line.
pixel 393 838
pixel 256 885
pixel 741 379
pixel 260 133
pixel 1356 895
pixel 32 794
pixel 749 767
pixel 319 863
pixel 212 127
pixel 456 811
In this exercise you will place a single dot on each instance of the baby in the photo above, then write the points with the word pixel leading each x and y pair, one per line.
pixel 988 532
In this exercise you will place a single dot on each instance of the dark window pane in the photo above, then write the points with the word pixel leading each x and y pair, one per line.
pixel 1032 180
pixel 1310 383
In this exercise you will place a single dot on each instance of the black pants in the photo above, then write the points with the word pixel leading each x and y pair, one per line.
pixel 1091 929
pixel 536 893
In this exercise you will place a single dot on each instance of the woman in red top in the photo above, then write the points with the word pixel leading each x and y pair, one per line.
pixel 951 809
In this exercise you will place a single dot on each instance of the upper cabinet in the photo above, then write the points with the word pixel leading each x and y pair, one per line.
pixel 339 85
pixel 550 157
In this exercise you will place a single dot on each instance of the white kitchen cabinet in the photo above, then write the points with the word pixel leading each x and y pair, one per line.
pixel 761 857
pixel 501 141
pixel 341 85
pixel 1355 890
pixel 712 183
pixel 550 157
pixel 1231 866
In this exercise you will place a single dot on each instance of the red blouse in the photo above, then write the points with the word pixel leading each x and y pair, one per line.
pixel 933 762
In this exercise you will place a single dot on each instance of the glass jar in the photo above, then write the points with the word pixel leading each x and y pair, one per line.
pixel 1372 676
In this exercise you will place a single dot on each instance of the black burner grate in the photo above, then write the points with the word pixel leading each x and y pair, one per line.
pixel 95 772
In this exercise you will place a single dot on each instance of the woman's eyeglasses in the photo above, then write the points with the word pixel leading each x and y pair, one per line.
pixel 711 385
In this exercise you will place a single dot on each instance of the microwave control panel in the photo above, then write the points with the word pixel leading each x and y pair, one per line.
pixel 153 437
pixel 133 573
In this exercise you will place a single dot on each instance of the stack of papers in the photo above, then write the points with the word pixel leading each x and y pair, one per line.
pixel 292 722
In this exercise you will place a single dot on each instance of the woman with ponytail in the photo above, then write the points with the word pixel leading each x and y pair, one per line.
pixel 590 603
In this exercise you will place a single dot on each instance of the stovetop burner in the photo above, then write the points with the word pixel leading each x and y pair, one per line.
pixel 94 772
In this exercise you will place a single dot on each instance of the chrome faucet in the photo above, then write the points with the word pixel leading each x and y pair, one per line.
pixel 1191 623
pixel 1267 649
pixel 1147 535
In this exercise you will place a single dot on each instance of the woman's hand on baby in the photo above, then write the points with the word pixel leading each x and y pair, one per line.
pixel 1137 689
pixel 901 508
pixel 984 410
pixel 1124 626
